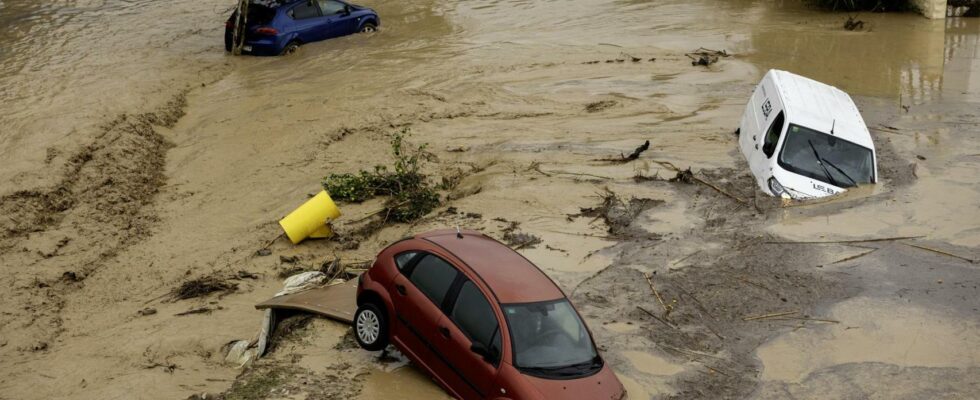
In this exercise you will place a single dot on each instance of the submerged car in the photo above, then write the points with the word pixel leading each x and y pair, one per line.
pixel 481 319
pixel 274 27
pixel 805 139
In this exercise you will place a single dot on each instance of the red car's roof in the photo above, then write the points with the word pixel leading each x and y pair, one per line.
pixel 511 277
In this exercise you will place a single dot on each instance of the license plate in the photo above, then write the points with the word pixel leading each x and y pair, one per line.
pixel 247 48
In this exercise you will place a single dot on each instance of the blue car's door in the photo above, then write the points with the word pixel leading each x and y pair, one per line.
pixel 340 20
pixel 307 22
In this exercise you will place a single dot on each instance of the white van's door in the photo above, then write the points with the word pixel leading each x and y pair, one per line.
pixel 766 122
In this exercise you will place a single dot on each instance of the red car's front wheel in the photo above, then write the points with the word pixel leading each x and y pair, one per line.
pixel 371 327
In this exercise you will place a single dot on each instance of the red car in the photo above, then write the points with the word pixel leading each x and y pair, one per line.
pixel 481 319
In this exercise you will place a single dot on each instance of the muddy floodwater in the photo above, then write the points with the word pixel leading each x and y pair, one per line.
pixel 137 155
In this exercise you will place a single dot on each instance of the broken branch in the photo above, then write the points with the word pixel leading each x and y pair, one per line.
pixel 887 239
pixel 657 294
pixel 663 321
pixel 854 257
pixel 937 251
pixel 773 315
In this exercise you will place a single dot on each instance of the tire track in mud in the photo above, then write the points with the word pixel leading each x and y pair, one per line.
pixel 99 207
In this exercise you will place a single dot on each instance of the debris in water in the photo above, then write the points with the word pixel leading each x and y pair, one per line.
pixel 410 194
pixel 706 57
pixel 632 157
pixel 263 252
pixel 202 310
pixel 147 311
pixel 520 240
pixel 289 259
pixel 202 287
pixel 600 105
pixel 71 276
pixel 684 176
pixel 616 213
pixel 853 24
pixel 247 275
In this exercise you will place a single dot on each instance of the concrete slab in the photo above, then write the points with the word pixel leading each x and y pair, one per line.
pixel 337 302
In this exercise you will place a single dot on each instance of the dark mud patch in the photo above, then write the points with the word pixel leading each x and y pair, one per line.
pixel 897 171
pixel 273 379
pixel 876 380
pixel 289 327
pixel 699 312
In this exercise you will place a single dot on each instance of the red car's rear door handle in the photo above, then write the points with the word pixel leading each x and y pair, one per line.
pixel 401 289
pixel 444 331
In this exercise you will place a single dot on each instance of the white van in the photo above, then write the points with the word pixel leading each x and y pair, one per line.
pixel 805 139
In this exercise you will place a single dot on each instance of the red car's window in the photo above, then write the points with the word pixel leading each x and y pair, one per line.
pixel 402 259
pixel 474 316
pixel 433 276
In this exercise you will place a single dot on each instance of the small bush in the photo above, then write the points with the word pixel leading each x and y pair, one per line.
pixel 411 196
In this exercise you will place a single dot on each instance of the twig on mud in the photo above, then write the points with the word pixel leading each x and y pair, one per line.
pixel 690 352
pixel 689 175
pixel 696 301
pixel 829 321
pixel 607 237
pixel 660 299
pixel 714 370
pixel 937 251
pixel 376 212
pixel 663 321
pixel 593 276
pixel 202 310
pixel 886 129
pixel 536 166
pixel 758 285
pixel 719 190
pixel 887 239
pixel 701 312
pixel 773 315
pixel 685 258
pixel 272 241
pixel 854 257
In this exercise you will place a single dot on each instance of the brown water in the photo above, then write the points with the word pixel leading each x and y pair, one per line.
pixel 504 79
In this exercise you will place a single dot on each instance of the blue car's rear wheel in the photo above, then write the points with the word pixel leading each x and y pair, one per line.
pixel 290 48
pixel 369 27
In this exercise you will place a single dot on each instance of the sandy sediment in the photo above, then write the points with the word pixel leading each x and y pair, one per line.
pixel 519 135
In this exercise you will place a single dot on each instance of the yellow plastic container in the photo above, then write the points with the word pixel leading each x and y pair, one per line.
pixel 310 220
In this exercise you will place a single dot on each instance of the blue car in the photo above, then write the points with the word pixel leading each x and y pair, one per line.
pixel 275 27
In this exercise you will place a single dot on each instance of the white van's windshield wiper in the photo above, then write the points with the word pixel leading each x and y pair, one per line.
pixel 826 172
pixel 853 182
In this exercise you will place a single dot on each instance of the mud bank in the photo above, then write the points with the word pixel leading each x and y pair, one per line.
pixel 519 117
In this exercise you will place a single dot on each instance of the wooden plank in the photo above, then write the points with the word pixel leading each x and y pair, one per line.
pixel 338 302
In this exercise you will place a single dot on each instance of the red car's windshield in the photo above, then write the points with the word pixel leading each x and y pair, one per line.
pixel 549 336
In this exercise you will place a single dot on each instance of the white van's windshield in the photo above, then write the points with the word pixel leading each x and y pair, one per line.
pixel 826 158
